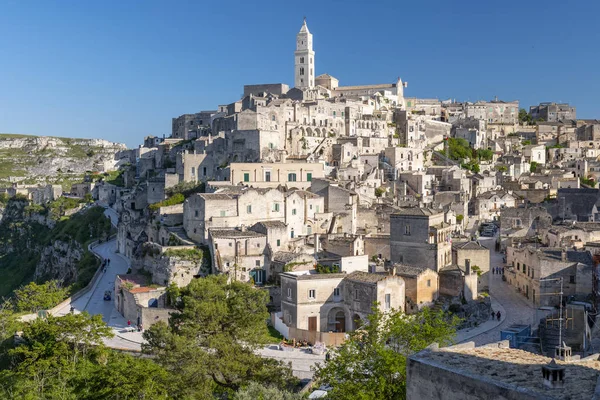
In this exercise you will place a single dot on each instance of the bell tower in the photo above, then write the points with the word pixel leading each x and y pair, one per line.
pixel 304 65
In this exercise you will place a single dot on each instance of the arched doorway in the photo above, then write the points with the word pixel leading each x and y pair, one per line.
pixel 337 320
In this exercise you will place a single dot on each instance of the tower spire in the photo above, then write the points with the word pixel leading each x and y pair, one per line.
pixel 304 70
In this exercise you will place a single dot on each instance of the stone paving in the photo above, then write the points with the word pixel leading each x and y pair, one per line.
pixel 517 309
pixel 302 360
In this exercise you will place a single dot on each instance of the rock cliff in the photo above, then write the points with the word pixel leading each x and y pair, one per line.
pixel 34 159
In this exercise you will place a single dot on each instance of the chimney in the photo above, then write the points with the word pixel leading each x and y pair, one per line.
pixel 243 228
pixel 553 375
pixel 467 266
pixel 563 254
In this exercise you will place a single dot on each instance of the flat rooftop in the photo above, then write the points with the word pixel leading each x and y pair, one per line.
pixel 515 368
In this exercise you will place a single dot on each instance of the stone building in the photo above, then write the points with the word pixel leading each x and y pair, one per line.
pixel 487 206
pixel 553 112
pixel 494 112
pixel 479 258
pixel 536 273
pixel 241 254
pixel 139 303
pixel 421 286
pixel 270 175
pixel 336 302
pixel 420 237
pixel 496 371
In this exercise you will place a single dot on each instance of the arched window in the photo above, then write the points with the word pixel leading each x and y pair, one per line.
pixel 301 70
pixel 301 60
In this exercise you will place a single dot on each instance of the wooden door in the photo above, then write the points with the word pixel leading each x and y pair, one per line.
pixel 312 324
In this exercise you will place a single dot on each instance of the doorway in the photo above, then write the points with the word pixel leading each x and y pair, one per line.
pixel 312 324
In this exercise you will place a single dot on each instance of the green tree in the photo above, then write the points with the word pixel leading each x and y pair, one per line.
pixel 33 297
pixel 485 154
pixel 460 218
pixel 524 116
pixel 533 166
pixel 380 191
pixel 256 391
pixel 210 342
pixel 371 364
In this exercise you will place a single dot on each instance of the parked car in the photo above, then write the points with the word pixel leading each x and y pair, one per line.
pixel 107 295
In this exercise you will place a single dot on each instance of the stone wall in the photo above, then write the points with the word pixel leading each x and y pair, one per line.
pixel 429 381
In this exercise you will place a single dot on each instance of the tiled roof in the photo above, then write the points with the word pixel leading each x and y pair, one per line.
pixel 272 224
pixel 417 211
pixel 410 270
pixel 472 245
pixel 215 196
pixel 359 276
pixel 233 233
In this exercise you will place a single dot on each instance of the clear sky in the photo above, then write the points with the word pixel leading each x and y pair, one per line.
pixel 120 70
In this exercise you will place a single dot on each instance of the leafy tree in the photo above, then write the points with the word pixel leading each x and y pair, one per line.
pixel 459 149
pixel 485 154
pixel 460 218
pixel 256 391
pixel 524 116
pixel 526 142
pixel 533 166
pixel 210 342
pixel 379 191
pixel 371 364
pixel 33 297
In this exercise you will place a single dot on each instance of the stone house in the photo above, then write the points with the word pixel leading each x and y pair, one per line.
pixel 536 273
pixel 479 258
pixel 286 261
pixel 270 175
pixel 346 245
pixel 141 304
pixel 242 254
pixel 487 206
pixel 484 182
pixel 420 237
pixel 535 153
pixel 457 281
pixel 336 302
pixel 421 285
pixel 576 234
pixel 342 202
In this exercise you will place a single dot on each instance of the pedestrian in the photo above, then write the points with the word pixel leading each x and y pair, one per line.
pixel 493 315
pixel 498 315
pixel 139 327
pixel 72 309
pixel 128 322
pixel 502 270
pixel 327 356
pixel 493 271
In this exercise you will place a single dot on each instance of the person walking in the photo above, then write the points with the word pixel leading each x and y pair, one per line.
pixel 498 315
pixel 493 315
pixel 129 323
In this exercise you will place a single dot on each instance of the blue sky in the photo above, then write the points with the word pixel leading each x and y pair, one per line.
pixel 120 70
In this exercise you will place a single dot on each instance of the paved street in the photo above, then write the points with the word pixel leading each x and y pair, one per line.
pixel 93 301
pixel 301 360
pixel 516 308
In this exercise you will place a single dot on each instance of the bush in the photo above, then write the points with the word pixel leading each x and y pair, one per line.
pixel 327 269
pixel 171 201
pixel 33 297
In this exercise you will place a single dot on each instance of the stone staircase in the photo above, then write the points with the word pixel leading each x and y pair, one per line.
pixel 180 234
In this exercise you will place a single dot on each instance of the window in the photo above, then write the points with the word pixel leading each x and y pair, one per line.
pixel 246 177
pixel 524 267
pixel 278 242
pixel 249 209
pixel 388 301
pixel 193 171
pixel 289 293
pixel 292 177
pixel 310 207
pixel 257 263
pixel 301 60
pixel 227 264
pixel 204 171
pixel 293 211
pixel 572 279
pixel 292 233
pixel 407 229
pixel 309 230
pixel 428 282
pixel 312 294
pixel 532 274
pixel 309 176
pixel 216 245
pixel 336 291
pixel 356 294
pixel 276 207
pixel 317 209
pixel 196 213
pixel 223 213
pixel 230 244
pixel 301 70
pixel 272 117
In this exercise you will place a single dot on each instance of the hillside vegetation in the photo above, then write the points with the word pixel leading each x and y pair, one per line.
pixel 35 159
pixel 31 250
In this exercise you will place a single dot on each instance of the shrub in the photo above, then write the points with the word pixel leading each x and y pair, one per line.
pixel 171 201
